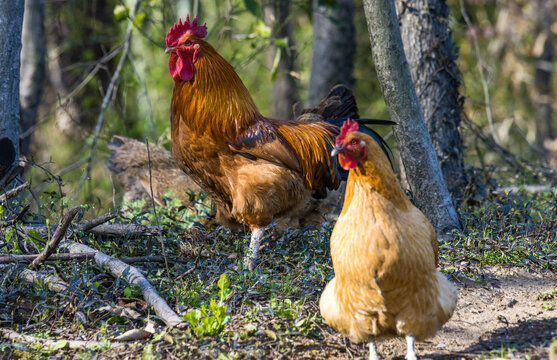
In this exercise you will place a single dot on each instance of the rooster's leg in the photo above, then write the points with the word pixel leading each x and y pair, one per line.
pixel 253 252
pixel 373 354
pixel 410 353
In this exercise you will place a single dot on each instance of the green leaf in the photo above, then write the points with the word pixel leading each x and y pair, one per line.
pixel 253 7
pixel 263 30
pixel 60 345
pixel 120 12
pixel 138 18
pixel 274 69
pixel 128 292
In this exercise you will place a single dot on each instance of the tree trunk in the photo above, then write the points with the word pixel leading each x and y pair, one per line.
pixel 542 95
pixel 32 67
pixel 11 19
pixel 334 46
pixel 284 90
pixel 418 156
pixel 431 54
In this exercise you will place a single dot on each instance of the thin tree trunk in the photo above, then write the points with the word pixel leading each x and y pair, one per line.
pixel 32 67
pixel 334 47
pixel 431 55
pixel 542 94
pixel 418 156
pixel 284 89
pixel 11 19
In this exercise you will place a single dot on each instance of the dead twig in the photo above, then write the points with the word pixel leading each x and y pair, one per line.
pixel 130 230
pixel 98 221
pixel 58 344
pixel 119 269
pixel 52 282
pixel 13 192
pixel 12 258
pixel 155 209
pixel 55 240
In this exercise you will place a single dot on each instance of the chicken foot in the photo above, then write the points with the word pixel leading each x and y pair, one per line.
pixel 410 353
pixel 253 252
pixel 373 354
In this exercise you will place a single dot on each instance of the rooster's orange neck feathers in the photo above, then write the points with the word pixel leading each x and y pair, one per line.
pixel 215 93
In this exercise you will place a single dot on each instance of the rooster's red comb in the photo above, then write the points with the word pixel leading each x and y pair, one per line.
pixel 348 126
pixel 179 29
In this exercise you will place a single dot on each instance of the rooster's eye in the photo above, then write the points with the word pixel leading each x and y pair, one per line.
pixel 187 43
pixel 353 142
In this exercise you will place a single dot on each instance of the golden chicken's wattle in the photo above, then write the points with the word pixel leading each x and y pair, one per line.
pixel 256 169
pixel 384 253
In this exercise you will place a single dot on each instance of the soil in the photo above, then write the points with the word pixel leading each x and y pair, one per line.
pixel 499 314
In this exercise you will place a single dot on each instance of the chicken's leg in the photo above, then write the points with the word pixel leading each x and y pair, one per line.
pixel 253 252
pixel 410 353
pixel 373 354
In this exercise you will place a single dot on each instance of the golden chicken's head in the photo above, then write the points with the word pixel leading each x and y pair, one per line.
pixel 182 43
pixel 350 146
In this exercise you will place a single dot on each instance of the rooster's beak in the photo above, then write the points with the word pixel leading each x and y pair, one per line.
pixel 170 49
pixel 339 149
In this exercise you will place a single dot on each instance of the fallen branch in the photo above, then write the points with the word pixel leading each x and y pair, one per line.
pixel 106 229
pixel 13 192
pixel 98 221
pixel 125 230
pixel 57 344
pixel 119 269
pixel 52 282
pixel 11 258
pixel 55 240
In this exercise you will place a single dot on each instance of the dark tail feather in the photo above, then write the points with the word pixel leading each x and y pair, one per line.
pixel 339 103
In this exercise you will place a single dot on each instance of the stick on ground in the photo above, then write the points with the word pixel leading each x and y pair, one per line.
pixel 72 344
pixel 55 240
pixel 52 282
pixel 133 276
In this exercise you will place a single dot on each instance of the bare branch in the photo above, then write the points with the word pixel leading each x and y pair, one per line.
pixel 119 269
pixel 52 282
pixel 155 209
pixel 72 344
pixel 98 221
pixel 56 238
pixel 13 258
pixel 13 192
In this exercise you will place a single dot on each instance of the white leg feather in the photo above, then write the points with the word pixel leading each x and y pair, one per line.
pixel 410 352
pixel 253 252
pixel 373 354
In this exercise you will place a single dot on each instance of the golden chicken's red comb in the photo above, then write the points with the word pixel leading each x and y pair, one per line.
pixel 348 126
pixel 179 29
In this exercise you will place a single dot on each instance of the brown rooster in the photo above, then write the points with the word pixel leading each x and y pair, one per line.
pixel 384 254
pixel 256 169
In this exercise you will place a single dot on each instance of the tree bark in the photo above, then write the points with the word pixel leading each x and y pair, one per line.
pixel 11 19
pixel 418 156
pixel 334 47
pixel 284 89
pixel 544 53
pixel 431 54
pixel 32 67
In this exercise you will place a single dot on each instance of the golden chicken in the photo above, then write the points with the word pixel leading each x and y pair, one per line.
pixel 384 253
pixel 257 169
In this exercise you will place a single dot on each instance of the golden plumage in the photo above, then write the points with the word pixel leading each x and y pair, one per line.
pixel 384 253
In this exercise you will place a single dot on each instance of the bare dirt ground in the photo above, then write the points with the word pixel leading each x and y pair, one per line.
pixel 499 314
